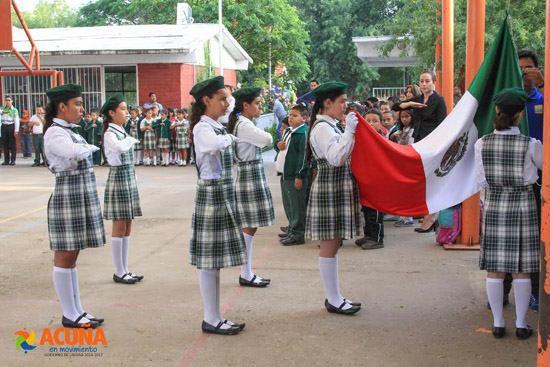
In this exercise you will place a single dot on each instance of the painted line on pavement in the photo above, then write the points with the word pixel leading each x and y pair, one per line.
pixel 21 229
pixel 23 214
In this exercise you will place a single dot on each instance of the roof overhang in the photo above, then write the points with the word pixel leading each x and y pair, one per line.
pixel 368 50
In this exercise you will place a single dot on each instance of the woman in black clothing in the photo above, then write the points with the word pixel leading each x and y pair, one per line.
pixel 429 111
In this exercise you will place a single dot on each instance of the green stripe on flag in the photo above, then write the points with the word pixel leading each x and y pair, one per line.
pixel 500 69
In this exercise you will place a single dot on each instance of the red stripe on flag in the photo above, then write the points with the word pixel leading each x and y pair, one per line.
pixel 390 176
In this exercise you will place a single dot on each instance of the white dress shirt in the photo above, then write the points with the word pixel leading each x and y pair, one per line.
pixel 61 152
pixel 281 155
pixel 209 147
pixel 250 138
pixel 37 129
pixel 145 123
pixel 114 147
pixel 533 159
pixel 328 144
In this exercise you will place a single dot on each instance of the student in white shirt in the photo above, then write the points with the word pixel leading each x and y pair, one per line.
pixel 333 211
pixel 74 213
pixel 254 201
pixel 216 236
pixel 37 122
pixel 121 202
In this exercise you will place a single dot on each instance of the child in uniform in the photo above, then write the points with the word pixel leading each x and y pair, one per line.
pixel 216 235
pixel 93 129
pixel 132 128
pixel 333 211
pixel 164 136
pixel 74 213
pixel 404 137
pixel 26 134
pixel 149 139
pixel 254 202
pixel 121 202
pixel 296 172
pixel 181 125
pixel 37 122
pixel 507 163
pixel 280 148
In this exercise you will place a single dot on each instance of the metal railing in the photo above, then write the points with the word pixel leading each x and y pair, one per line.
pixel 384 93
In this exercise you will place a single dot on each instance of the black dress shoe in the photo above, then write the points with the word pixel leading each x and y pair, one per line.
pixel 499 332
pixel 211 329
pixel 251 283
pixel 283 235
pixel 76 324
pixel 349 311
pixel 240 326
pixel 524 333
pixel 5 163
pixel 12 163
pixel 284 229
pixel 292 242
pixel 36 164
pixel 98 320
pixel 121 279
pixel 433 227
pixel 361 241
pixel 138 277
pixel 352 303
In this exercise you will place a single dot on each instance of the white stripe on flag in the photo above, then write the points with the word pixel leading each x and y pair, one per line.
pixel 445 188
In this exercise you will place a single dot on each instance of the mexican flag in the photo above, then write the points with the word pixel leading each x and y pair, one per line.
pixel 439 171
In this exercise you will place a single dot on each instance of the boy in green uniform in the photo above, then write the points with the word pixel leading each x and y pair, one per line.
pixel 93 135
pixel 164 135
pixel 296 175
pixel 80 127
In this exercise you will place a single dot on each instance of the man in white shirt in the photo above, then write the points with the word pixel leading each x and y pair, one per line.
pixel 37 123
pixel 10 129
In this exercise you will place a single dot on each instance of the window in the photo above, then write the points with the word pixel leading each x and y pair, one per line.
pixel 121 79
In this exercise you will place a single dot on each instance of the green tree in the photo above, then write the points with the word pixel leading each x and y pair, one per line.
pixel 254 24
pixel 48 14
pixel 418 23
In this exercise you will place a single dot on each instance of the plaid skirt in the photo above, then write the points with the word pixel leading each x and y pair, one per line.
pixel 510 240
pixel 333 209
pixel 121 194
pixel 254 201
pixel 216 233
pixel 181 141
pixel 134 134
pixel 149 140
pixel 164 143
pixel 74 212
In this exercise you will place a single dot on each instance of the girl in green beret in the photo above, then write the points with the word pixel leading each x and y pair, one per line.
pixel 74 213
pixel 333 211
pixel 216 237
pixel 254 200
pixel 121 204
pixel 507 163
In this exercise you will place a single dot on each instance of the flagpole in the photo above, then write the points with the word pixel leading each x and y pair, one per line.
pixel 438 55
pixel 220 36
pixel 447 46
pixel 544 288
pixel 475 53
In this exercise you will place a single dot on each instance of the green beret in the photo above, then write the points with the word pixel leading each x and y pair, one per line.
pixel 329 90
pixel 511 100
pixel 64 92
pixel 245 93
pixel 206 87
pixel 112 103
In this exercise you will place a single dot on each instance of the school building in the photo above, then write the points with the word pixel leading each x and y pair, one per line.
pixel 132 59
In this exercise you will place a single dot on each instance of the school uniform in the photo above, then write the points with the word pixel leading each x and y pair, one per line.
pixel 74 212
pixel 94 138
pixel 80 129
pixel 121 193
pixel 280 159
pixel 164 134
pixel 333 209
pixel 134 132
pixel 149 139
pixel 296 166
pixel 38 139
pixel 254 201
pixel 181 133
pixel 507 165
pixel 216 236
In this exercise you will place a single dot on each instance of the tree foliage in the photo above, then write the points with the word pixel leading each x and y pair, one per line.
pixel 417 21
pixel 254 24
pixel 48 14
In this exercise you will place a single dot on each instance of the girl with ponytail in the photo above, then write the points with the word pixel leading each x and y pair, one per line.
pixel 254 202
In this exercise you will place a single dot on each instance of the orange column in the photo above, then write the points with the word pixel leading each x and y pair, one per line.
pixel 544 290
pixel 447 46
pixel 475 52
pixel 438 56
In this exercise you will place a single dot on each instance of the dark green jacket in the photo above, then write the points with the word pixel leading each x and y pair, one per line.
pixel 163 131
pixel 94 133
pixel 296 164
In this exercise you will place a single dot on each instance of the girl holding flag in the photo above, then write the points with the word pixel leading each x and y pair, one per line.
pixel 333 212
pixel 507 163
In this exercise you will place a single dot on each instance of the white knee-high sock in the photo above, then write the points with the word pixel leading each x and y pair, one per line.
pixel 155 160
pixel 63 284
pixel 76 292
pixel 495 293
pixel 210 293
pixel 246 269
pixel 140 155
pixel 522 294
pixel 125 250
pixel 116 249
pixel 328 266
